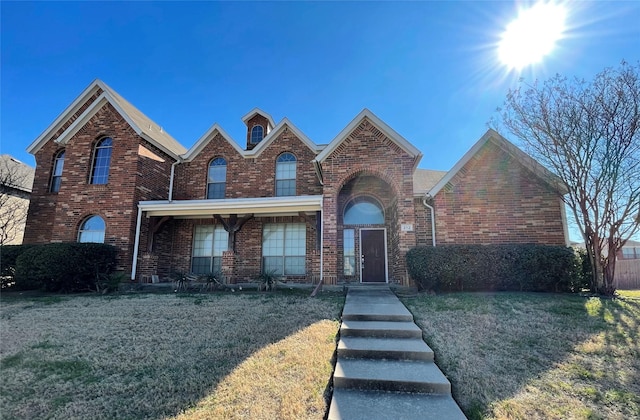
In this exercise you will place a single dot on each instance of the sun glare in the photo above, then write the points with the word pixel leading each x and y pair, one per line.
pixel 532 35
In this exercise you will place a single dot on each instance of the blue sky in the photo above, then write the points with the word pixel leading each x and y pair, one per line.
pixel 428 69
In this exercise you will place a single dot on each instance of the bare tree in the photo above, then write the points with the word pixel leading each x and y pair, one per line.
pixel 588 134
pixel 16 180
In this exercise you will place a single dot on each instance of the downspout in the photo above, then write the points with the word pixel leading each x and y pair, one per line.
pixel 433 220
pixel 173 171
pixel 134 264
pixel 321 238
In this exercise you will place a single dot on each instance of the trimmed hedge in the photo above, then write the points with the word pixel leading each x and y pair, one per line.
pixel 64 267
pixel 535 268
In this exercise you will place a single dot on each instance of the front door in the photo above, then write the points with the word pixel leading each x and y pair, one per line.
pixel 373 261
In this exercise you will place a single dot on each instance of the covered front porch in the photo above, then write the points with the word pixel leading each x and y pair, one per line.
pixel 237 239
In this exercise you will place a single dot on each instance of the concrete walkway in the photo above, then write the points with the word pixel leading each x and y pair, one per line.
pixel 384 368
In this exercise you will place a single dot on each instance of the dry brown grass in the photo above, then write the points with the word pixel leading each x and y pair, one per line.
pixel 156 356
pixel 536 356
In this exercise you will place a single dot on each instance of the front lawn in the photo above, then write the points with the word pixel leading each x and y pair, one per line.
pixel 253 355
pixel 536 356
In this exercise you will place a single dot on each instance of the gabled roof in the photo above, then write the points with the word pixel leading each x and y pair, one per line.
pixel 495 138
pixel 255 111
pixel 206 138
pixel 277 130
pixel 141 124
pixel 19 175
pixel 256 151
pixel 389 132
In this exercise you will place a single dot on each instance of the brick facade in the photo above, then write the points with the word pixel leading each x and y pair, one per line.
pixel 493 198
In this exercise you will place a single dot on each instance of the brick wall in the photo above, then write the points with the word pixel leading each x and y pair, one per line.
pixel 252 122
pixel 368 152
pixel 494 199
pixel 56 217
pixel 246 177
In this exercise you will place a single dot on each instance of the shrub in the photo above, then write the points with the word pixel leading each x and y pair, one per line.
pixel 536 268
pixel 65 267
pixel 8 256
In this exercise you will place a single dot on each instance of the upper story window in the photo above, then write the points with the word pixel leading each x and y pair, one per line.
pixel 56 175
pixel 363 211
pixel 286 175
pixel 217 178
pixel 101 161
pixel 257 134
pixel 92 230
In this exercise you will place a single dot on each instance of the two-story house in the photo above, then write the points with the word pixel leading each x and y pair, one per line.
pixel 348 210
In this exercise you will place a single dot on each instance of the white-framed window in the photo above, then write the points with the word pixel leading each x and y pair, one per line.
pixel 92 230
pixel 209 242
pixel 217 178
pixel 257 134
pixel 284 247
pixel 286 175
pixel 101 161
pixel 349 250
pixel 56 175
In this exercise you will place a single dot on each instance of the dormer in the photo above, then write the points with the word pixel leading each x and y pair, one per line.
pixel 259 124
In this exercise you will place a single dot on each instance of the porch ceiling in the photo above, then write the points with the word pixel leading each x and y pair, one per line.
pixel 263 206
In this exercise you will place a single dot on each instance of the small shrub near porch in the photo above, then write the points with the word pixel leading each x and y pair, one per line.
pixel 534 268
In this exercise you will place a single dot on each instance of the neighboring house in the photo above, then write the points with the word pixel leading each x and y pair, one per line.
pixel 16 179
pixel 630 251
pixel 348 210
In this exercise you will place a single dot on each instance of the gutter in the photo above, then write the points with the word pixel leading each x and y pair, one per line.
pixel 433 220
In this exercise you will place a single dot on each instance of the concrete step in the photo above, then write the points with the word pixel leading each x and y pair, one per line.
pixel 389 329
pixel 390 375
pixel 384 348
pixel 350 404
pixel 376 311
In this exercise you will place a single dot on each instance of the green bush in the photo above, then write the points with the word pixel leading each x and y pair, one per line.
pixel 65 267
pixel 536 268
pixel 8 256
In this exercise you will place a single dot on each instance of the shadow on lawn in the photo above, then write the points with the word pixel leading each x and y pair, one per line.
pixel 495 346
pixel 155 356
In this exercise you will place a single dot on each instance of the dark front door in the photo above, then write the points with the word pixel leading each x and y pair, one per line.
pixel 373 259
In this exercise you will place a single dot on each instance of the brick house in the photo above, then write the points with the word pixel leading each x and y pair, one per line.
pixel 348 210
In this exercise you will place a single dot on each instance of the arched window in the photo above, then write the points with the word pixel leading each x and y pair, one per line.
pixel 217 178
pixel 257 134
pixel 363 211
pixel 101 161
pixel 56 175
pixel 286 175
pixel 92 230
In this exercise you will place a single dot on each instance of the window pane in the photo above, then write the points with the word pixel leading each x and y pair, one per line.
pixel 101 162
pixel 201 265
pixel 92 230
pixel 284 248
pixel 273 264
pixel 257 134
pixel 363 211
pixel 286 170
pixel 349 249
pixel 294 266
pixel 220 241
pixel 285 188
pixel 55 184
pixel 216 190
pixel 218 170
pixel 203 241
